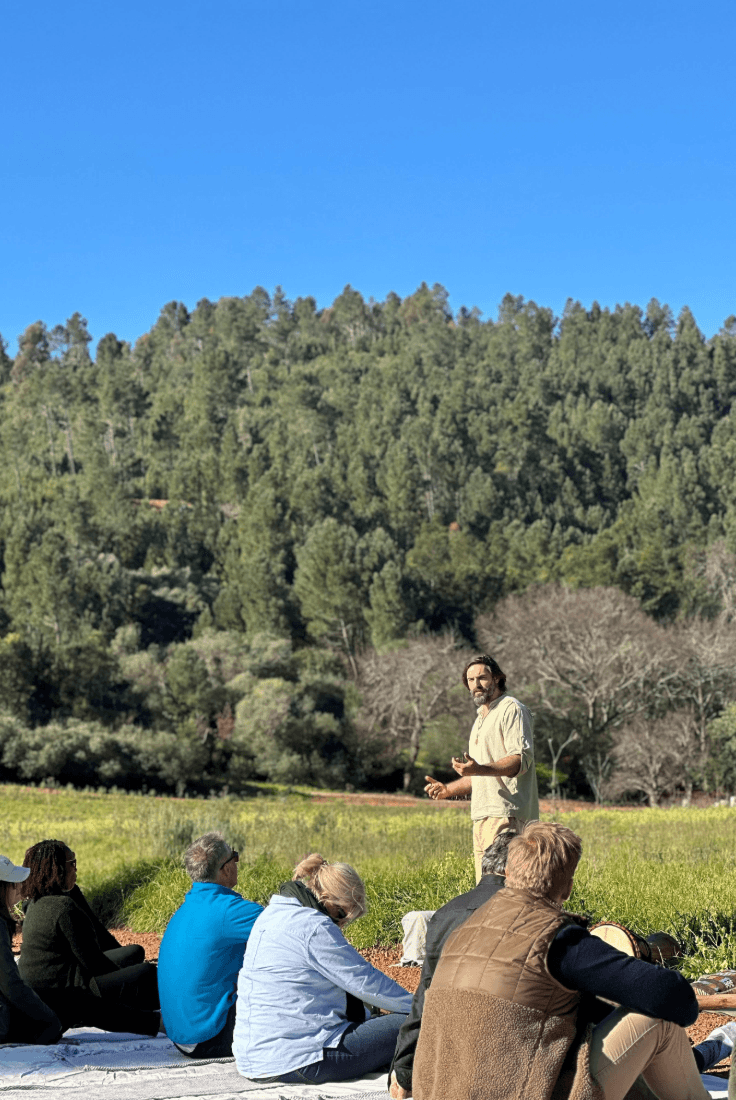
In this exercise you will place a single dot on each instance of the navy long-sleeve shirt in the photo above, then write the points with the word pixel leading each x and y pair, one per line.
pixel 584 962
pixel 576 959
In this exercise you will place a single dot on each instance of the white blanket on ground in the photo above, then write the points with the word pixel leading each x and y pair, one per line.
pixel 88 1062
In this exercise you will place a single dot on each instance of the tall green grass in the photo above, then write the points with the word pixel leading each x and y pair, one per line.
pixel 670 870
pixel 663 870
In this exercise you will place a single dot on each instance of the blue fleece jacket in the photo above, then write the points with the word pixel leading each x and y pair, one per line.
pixel 199 960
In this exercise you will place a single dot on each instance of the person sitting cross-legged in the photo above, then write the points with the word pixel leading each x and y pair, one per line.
pixel 72 963
pixel 445 921
pixel 514 1008
pixel 301 1016
pixel 202 951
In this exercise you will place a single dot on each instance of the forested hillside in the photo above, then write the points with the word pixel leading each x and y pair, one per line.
pixel 210 540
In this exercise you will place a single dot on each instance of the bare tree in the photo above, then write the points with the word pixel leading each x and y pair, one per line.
pixel 555 753
pixel 592 656
pixel 715 569
pixel 653 755
pixel 404 690
pixel 704 652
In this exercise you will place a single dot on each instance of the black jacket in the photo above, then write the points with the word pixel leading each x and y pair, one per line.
pixel 445 921
pixel 24 1018
pixel 61 949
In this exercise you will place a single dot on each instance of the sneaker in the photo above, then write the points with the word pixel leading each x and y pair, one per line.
pixel 718 1045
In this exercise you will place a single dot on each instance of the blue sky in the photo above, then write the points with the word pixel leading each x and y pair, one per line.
pixel 165 151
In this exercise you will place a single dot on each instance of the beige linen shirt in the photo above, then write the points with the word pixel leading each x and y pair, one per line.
pixel 506 730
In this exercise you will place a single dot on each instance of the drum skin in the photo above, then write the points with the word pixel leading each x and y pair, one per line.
pixel 623 939
pixel 659 947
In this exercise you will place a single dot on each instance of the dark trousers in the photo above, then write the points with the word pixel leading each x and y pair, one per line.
pixel 127 956
pixel 25 1030
pixel 220 1045
pixel 363 1048
pixel 126 1000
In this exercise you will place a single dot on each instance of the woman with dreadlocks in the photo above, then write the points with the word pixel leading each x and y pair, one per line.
pixel 70 959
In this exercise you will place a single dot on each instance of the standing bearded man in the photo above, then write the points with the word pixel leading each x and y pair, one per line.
pixel 498 773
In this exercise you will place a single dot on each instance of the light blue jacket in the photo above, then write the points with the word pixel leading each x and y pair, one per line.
pixel 291 990
pixel 198 963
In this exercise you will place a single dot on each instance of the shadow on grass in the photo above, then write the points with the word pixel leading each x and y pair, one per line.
pixel 107 897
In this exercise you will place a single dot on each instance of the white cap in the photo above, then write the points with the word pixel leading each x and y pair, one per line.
pixel 10 873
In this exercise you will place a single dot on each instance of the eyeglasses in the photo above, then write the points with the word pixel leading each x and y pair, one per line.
pixel 234 855
pixel 73 862
pixel 340 912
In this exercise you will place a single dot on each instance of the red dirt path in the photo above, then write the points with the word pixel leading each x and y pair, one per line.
pixel 371 798
pixel 385 958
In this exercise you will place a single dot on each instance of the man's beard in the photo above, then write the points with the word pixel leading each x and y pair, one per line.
pixel 480 698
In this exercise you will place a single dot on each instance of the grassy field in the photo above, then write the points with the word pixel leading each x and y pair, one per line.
pixel 671 870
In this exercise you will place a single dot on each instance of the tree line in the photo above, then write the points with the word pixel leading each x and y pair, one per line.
pixel 215 540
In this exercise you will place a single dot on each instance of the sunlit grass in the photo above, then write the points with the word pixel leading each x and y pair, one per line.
pixel 653 870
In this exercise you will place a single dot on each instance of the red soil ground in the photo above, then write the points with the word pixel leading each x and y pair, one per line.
pixel 386 958
pixel 546 805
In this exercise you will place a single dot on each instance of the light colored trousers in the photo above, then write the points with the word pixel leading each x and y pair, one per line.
pixel 485 832
pixel 627 1045
pixel 414 946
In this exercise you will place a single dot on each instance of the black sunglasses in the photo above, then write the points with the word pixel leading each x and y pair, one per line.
pixel 234 855
pixel 73 862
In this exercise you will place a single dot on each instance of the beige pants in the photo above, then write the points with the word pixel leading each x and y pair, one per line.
pixel 485 832
pixel 627 1045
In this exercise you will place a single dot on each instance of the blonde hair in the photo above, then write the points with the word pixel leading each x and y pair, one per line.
pixel 335 883
pixel 543 858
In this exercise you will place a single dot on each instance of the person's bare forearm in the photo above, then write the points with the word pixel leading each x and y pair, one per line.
pixel 506 766
pixel 460 788
pixel 439 791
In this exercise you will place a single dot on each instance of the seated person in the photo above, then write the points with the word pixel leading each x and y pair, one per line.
pixel 202 952
pixel 63 961
pixel 300 1017
pixel 129 955
pixel 514 999
pixel 24 1018
pixel 445 921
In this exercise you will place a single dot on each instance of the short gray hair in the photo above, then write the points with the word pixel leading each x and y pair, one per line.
pixel 494 857
pixel 204 856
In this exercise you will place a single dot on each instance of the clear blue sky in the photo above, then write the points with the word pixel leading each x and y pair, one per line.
pixel 157 151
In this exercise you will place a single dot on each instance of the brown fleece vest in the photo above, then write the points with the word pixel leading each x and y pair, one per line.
pixel 496 1025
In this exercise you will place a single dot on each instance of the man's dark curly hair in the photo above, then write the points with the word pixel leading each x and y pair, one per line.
pixel 496 672
pixel 48 863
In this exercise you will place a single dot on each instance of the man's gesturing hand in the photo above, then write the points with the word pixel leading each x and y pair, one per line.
pixel 468 766
pixel 435 789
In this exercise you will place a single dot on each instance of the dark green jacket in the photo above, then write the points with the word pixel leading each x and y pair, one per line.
pixel 61 949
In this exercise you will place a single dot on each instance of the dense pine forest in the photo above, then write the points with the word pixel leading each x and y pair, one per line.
pixel 259 542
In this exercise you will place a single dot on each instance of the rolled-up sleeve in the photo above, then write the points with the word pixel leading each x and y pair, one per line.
pixel 517 736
